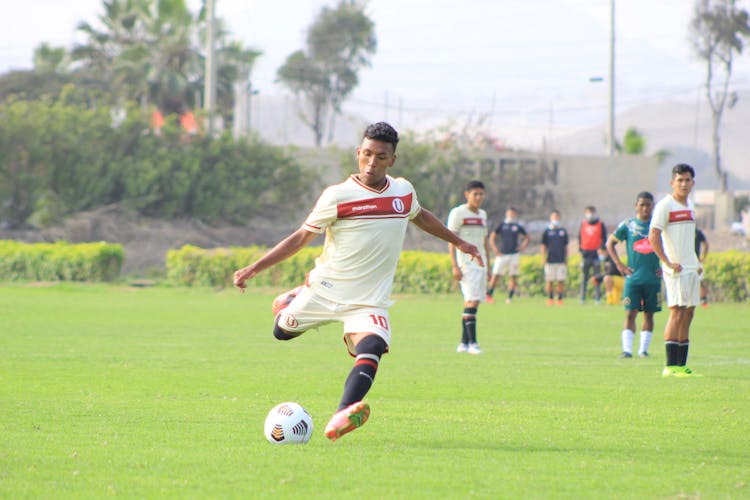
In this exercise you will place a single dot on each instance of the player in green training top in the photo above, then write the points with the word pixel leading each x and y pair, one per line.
pixel 642 291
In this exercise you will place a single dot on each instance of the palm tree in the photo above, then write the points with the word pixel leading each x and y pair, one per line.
pixel 149 51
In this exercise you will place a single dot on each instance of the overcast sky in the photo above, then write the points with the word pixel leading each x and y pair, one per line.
pixel 528 63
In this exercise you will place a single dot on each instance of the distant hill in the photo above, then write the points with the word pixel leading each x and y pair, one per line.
pixel 679 127
pixel 683 129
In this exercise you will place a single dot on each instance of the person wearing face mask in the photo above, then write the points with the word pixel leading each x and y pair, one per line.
pixel 592 236
pixel 507 257
pixel 555 258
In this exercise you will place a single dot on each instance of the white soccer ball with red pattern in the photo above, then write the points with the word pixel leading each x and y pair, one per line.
pixel 288 423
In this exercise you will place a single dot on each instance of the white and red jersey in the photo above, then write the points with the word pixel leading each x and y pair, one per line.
pixel 364 231
pixel 472 227
pixel 677 225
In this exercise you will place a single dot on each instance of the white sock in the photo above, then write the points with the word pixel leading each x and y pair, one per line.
pixel 627 341
pixel 645 341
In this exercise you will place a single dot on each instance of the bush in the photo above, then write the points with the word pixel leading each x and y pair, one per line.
pixel 61 261
pixel 58 158
pixel 194 266
pixel 727 274
pixel 419 272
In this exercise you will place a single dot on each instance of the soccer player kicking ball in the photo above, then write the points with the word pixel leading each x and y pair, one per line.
pixel 672 236
pixel 642 289
pixel 364 219
pixel 469 222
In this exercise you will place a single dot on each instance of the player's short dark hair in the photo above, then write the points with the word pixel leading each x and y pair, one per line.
pixel 555 211
pixel 475 184
pixel 590 208
pixel 383 132
pixel 644 195
pixel 512 209
pixel 683 168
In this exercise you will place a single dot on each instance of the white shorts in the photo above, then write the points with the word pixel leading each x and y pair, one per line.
pixel 308 311
pixel 683 289
pixel 555 272
pixel 474 284
pixel 507 264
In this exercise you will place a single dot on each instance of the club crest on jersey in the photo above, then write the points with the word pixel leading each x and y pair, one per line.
pixel 398 205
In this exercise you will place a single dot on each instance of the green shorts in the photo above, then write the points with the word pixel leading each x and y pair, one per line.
pixel 642 297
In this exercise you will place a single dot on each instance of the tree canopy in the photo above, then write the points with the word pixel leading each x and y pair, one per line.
pixel 339 43
pixel 718 32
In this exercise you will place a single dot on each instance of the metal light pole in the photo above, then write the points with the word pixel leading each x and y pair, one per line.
pixel 209 86
pixel 611 132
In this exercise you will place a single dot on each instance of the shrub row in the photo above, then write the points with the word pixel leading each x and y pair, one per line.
pixel 58 158
pixel 727 273
pixel 60 261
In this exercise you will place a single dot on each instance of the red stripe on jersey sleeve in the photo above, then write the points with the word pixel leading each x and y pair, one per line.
pixel 398 206
pixel 680 215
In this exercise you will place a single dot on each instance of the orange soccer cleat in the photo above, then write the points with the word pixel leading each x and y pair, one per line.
pixel 346 420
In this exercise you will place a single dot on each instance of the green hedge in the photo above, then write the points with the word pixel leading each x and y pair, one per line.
pixel 727 273
pixel 61 261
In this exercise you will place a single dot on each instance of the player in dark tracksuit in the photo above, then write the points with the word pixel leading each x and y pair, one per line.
pixel 592 236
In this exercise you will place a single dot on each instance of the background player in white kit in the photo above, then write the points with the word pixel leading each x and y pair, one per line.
pixel 672 236
pixel 469 222
pixel 364 219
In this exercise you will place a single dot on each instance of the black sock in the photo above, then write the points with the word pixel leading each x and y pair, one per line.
pixel 560 296
pixel 470 324
pixel 464 334
pixel 511 293
pixel 673 355
pixel 362 375
pixel 490 291
pixel 682 350
pixel 551 295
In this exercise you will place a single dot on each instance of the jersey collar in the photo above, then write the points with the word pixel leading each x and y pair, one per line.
pixel 382 190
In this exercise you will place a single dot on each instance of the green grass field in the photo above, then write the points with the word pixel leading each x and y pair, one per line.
pixel 159 392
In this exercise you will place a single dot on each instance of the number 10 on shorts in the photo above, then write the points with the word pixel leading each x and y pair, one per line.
pixel 381 321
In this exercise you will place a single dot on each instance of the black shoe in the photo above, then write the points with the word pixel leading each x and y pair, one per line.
pixel 625 355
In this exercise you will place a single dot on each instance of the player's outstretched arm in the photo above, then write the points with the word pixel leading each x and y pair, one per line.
pixel 427 222
pixel 283 250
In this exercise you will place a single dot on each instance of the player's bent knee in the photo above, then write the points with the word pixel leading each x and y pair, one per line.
pixel 282 334
pixel 372 344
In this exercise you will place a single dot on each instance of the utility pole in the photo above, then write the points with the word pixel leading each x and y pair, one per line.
pixel 611 133
pixel 209 86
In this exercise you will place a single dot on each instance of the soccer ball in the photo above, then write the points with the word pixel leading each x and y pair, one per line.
pixel 288 423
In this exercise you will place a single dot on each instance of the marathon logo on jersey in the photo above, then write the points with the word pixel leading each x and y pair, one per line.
pixel 681 216
pixel 375 208
pixel 473 221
